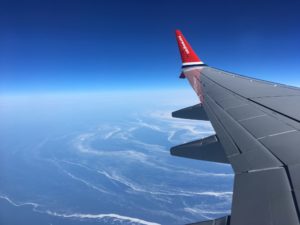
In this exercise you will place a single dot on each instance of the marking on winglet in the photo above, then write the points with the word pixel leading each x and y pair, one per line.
pixel 192 63
pixel 183 45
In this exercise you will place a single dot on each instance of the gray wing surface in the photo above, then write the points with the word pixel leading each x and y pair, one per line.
pixel 257 124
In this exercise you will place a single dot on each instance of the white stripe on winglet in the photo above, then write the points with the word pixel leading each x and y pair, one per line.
pixel 192 63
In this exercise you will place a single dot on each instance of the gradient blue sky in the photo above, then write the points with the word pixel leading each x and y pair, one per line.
pixel 94 45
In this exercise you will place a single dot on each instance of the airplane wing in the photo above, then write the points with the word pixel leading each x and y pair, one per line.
pixel 257 125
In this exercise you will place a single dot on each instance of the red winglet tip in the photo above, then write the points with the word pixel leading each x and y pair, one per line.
pixel 188 55
pixel 178 32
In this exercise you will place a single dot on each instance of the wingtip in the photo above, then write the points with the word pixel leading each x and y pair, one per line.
pixel 188 56
pixel 177 31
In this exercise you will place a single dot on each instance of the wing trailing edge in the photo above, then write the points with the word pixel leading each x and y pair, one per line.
pixel 195 112
pixel 208 149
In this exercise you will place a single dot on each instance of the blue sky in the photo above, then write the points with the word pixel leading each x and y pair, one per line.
pixel 57 46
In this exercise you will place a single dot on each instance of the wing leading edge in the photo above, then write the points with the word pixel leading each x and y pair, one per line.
pixel 256 133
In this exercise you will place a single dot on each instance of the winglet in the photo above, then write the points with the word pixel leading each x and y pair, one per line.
pixel 188 56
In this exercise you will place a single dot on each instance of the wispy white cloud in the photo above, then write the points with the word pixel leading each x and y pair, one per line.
pixel 221 194
pixel 113 175
pixel 189 129
pixel 208 214
pixel 114 217
pixel 81 180
pixel 82 144
pixel 167 190
pixel 34 205
pixel 151 126
pixel 111 133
